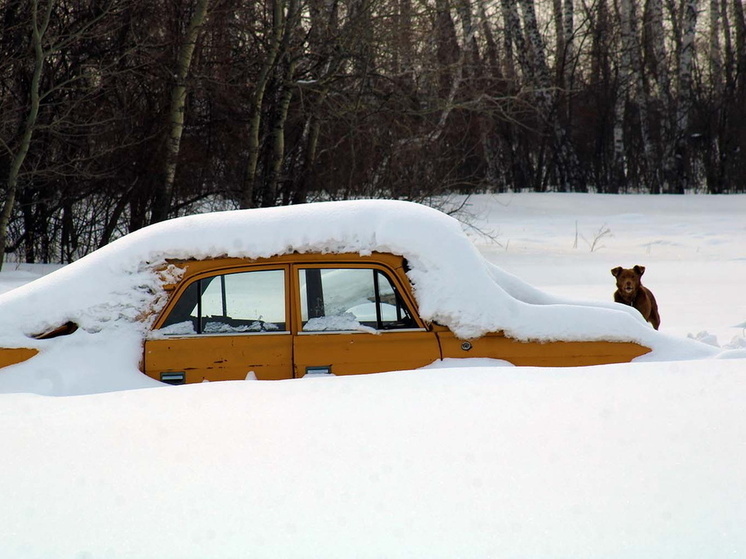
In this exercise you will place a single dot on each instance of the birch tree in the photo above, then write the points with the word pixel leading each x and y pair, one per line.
pixel 677 162
pixel 624 79
pixel 739 22
pixel 655 36
pixel 658 88
pixel 714 51
pixel 176 112
pixel 569 173
pixel 631 93
pixel 563 12
pixel 285 74
pixel 568 35
pixel 275 40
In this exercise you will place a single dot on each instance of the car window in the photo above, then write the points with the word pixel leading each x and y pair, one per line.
pixel 242 302
pixel 350 299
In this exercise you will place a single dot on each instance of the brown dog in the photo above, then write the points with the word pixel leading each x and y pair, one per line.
pixel 630 291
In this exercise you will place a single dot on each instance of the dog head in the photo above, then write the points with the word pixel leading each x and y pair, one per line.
pixel 628 280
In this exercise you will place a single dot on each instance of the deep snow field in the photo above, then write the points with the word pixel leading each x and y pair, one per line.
pixel 693 248
pixel 462 460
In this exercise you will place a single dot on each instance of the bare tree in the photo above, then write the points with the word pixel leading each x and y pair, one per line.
pixel 284 75
pixel 568 172
pixel 164 192
pixel 39 24
pixel 121 112
pixel 677 162
pixel 275 36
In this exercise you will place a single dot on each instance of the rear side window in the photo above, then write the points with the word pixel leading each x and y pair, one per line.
pixel 242 302
pixel 350 299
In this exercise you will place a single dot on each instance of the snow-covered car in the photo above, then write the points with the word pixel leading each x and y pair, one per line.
pixel 278 293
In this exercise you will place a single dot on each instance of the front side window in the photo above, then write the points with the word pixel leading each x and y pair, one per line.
pixel 350 299
pixel 241 302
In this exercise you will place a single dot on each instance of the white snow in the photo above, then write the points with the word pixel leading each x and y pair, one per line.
pixel 468 458
pixel 339 323
pixel 622 461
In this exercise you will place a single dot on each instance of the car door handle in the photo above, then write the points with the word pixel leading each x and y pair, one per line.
pixel 174 378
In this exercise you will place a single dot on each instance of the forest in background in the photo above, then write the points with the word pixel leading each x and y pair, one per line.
pixel 115 114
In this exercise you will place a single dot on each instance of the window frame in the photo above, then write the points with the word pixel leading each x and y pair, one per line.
pixel 190 270
pixel 212 274
pixel 393 278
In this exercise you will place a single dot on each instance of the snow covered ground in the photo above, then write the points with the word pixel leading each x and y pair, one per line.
pixel 694 248
pixel 628 461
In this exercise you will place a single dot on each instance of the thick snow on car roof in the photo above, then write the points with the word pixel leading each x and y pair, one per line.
pixel 114 287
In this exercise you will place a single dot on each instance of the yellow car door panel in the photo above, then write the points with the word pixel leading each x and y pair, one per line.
pixel 220 357
pixel 224 325
pixel 346 353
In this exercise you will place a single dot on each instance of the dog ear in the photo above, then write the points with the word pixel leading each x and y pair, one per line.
pixel 639 270
pixel 616 271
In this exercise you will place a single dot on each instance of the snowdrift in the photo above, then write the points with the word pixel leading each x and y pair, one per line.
pixel 108 293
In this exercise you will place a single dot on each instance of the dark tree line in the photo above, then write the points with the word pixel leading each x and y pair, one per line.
pixel 118 113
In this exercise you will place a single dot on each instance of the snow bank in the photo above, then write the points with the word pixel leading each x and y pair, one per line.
pixel 113 288
pixel 620 461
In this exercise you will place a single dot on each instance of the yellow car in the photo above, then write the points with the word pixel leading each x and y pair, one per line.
pixel 330 288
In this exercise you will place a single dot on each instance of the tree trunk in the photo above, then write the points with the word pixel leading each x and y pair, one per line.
pixel 248 191
pixel 310 145
pixel 632 80
pixel 285 94
pixel 568 19
pixel 163 197
pixel 38 29
pixel 715 54
pixel 740 25
pixel 512 35
pixel 463 53
pixel 678 163
pixel 564 57
pixel 659 91
pixel 559 43
pixel 566 163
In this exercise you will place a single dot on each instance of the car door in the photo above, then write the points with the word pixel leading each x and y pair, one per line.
pixel 224 326
pixel 355 318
